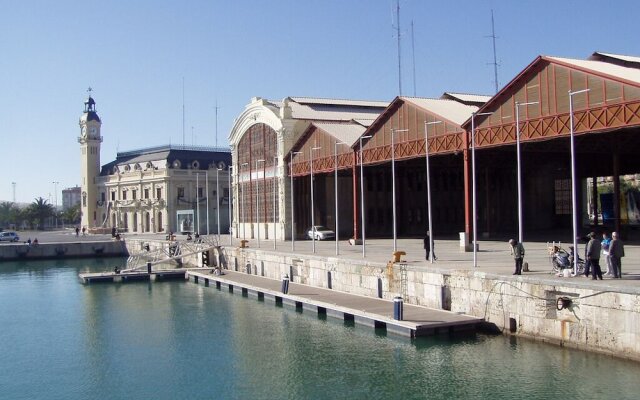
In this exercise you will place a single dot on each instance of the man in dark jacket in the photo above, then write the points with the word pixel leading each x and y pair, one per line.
pixel 427 245
pixel 616 252
pixel 593 256
pixel 517 250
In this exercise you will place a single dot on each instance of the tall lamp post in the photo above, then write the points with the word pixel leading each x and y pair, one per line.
pixel 313 221
pixel 230 183
pixel 258 201
pixel 393 185
pixel 426 158
pixel 244 222
pixel 206 187
pixel 218 200
pixel 274 177
pixel 293 230
pixel 55 196
pixel 335 181
pixel 364 254
pixel 574 200
pixel 518 105
pixel 198 201
pixel 473 192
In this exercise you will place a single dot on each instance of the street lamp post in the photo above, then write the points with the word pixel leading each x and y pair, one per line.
pixel 274 177
pixel 293 233
pixel 218 200
pixel 198 202
pixel 229 205
pixel 335 179
pixel 426 158
pixel 518 105
pixel 55 196
pixel 244 235
pixel 313 225
pixel 393 185
pixel 258 202
pixel 574 201
pixel 362 222
pixel 473 192
pixel 206 188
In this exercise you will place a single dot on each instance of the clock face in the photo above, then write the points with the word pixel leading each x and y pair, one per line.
pixel 93 130
pixel 83 131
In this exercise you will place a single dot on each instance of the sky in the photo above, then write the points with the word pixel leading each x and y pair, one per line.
pixel 140 56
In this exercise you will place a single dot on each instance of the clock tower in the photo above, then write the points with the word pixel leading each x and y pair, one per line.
pixel 89 140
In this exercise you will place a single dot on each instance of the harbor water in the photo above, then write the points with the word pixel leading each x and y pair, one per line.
pixel 60 339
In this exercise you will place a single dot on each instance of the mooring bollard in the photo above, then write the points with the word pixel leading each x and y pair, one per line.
pixel 149 268
pixel 285 283
pixel 398 308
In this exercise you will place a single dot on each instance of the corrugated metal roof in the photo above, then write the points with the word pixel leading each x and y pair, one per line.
pixel 448 109
pixel 620 57
pixel 340 102
pixel 348 133
pixel 467 97
pixel 365 122
pixel 323 112
pixel 629 74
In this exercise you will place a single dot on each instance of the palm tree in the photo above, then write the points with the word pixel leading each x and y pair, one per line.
pixel 38 211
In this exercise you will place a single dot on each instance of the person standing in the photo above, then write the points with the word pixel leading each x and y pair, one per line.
pixel 427 245
pixel 616 252
pixel 606 241
pixel 517 250
pixel 593 256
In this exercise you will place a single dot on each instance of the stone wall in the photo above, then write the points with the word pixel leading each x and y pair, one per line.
pixel 20 251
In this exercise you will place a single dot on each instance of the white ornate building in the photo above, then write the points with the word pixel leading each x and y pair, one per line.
pixel 261 139
pixel 158 189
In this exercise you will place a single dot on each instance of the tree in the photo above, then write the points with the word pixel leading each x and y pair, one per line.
pixel 8 213
pixel 72 214
pixel 38 211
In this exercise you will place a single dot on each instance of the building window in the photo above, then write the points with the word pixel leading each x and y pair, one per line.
pixel 199 192
pixel 158 193
pixel 563 196
pixel 134 194
pixel 124 195
pixel 225 192
pixel 102 196
pixel 180 192
pixel 113 196
pixel 146 193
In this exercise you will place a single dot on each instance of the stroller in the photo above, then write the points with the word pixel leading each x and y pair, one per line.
pixel 562 259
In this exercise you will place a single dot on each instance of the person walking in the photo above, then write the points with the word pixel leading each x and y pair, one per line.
pixel 77 231
pixel 616 252
pixel 517 250
pixel 593 256
pixel 606 241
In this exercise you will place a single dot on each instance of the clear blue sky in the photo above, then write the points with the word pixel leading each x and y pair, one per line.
pixel 135 54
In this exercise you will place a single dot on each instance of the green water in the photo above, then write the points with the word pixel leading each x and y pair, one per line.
pixel 178 340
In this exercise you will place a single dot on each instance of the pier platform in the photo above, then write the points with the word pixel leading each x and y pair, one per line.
pixel 128 276
pixel 368 311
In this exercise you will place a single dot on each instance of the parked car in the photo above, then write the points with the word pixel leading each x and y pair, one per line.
pixel 320 232
pixel 9 237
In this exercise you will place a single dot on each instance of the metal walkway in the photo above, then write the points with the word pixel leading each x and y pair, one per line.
pixel 173 253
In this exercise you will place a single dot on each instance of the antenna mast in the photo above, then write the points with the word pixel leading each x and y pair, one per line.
pixel 495 60
pixel 413 53
pixel 398 34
